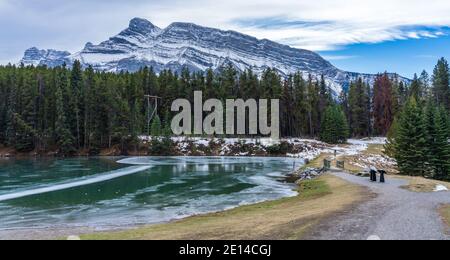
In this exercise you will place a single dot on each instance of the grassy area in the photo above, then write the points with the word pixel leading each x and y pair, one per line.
pixel 445 213
pixel 420 184
pixel 289 218
pixel 372 156
pixel 415 184
pixel 318 161
pixel 375 149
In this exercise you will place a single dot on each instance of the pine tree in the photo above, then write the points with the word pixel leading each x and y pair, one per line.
pixel 441 83
pixel 431 136
pixel 312 107
pixel 425 82
pixel 359 109
pixel 88 99
pixel 12 108
pixel 410 141
pixel 64 137
pixel 301 105
pixel 440 159
pixel 390 146
pixel 156 126
pixel 25 118
pixel 334 126
pixel 416 88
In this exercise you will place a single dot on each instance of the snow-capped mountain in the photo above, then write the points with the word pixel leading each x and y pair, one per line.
pixel 52 58
pixel 196 47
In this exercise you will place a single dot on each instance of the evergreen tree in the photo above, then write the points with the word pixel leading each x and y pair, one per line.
pixel 390 146
pixel 12 108
pixel 156 127
pixel 76 102
pixel 409 144
pixel 425 82
pixel 441 83
pixel 359 104
pixel 334 126
pixel 438 147
pixel 416 88
pixel 344 102
pixel 64 138
pixel 301 105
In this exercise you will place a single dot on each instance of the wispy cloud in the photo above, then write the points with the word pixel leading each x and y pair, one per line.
pixel 426 56
pixel 339 57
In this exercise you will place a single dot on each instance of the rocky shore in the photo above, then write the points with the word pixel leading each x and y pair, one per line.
pixel 304 174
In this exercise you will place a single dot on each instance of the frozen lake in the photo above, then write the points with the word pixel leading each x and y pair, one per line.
pixel 107 193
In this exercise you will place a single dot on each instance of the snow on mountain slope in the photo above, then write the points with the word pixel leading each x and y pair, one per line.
pixel 52 58
pixel 198 48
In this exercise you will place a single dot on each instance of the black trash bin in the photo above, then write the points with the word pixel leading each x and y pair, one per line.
pixel 382 176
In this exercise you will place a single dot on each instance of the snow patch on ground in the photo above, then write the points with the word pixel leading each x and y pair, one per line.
pixel 303 148
pixel 440 187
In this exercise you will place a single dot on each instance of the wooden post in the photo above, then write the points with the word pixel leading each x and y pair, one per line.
pixel 326 164
pixel 340 164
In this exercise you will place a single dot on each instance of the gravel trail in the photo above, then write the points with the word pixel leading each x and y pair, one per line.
pixel 393 214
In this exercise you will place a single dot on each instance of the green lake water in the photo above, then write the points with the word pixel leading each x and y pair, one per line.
pixel 114 192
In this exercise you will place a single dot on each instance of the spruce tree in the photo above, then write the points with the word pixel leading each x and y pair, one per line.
pixel 359 109
pixel 431 132
pixel 441 157
pixel 334 126
pixel 441 83
pixel 410 141
pixel 416 88
pixel 64 137
pixel 156 127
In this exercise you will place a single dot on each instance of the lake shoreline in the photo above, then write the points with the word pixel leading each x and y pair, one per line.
pixel 198 146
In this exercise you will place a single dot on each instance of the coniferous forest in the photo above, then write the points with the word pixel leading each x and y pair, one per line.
pixel 70 110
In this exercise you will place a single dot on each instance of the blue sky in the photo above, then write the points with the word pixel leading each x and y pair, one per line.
pixel 404 36
pixel 403 56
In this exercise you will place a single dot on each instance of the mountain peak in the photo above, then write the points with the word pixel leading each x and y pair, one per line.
pixel 142 25
pixel 183 25
pixel 35 56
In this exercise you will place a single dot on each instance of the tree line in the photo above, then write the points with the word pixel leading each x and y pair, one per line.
pixel 72 109
pixel 420 133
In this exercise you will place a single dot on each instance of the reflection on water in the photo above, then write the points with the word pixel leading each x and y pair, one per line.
pixel 171 188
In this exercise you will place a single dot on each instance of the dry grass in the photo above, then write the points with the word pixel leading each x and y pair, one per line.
pixel 318 161
pixel 289 218
pixel 375 149
pixel 420 184
pixel 416 184
pixel 372 156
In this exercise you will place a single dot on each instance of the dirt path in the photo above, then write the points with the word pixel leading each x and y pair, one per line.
pixel 395 214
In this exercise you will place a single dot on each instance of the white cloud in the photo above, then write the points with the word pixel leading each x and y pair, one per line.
pixel 315 25
pixel 339 57
pixel 426 56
